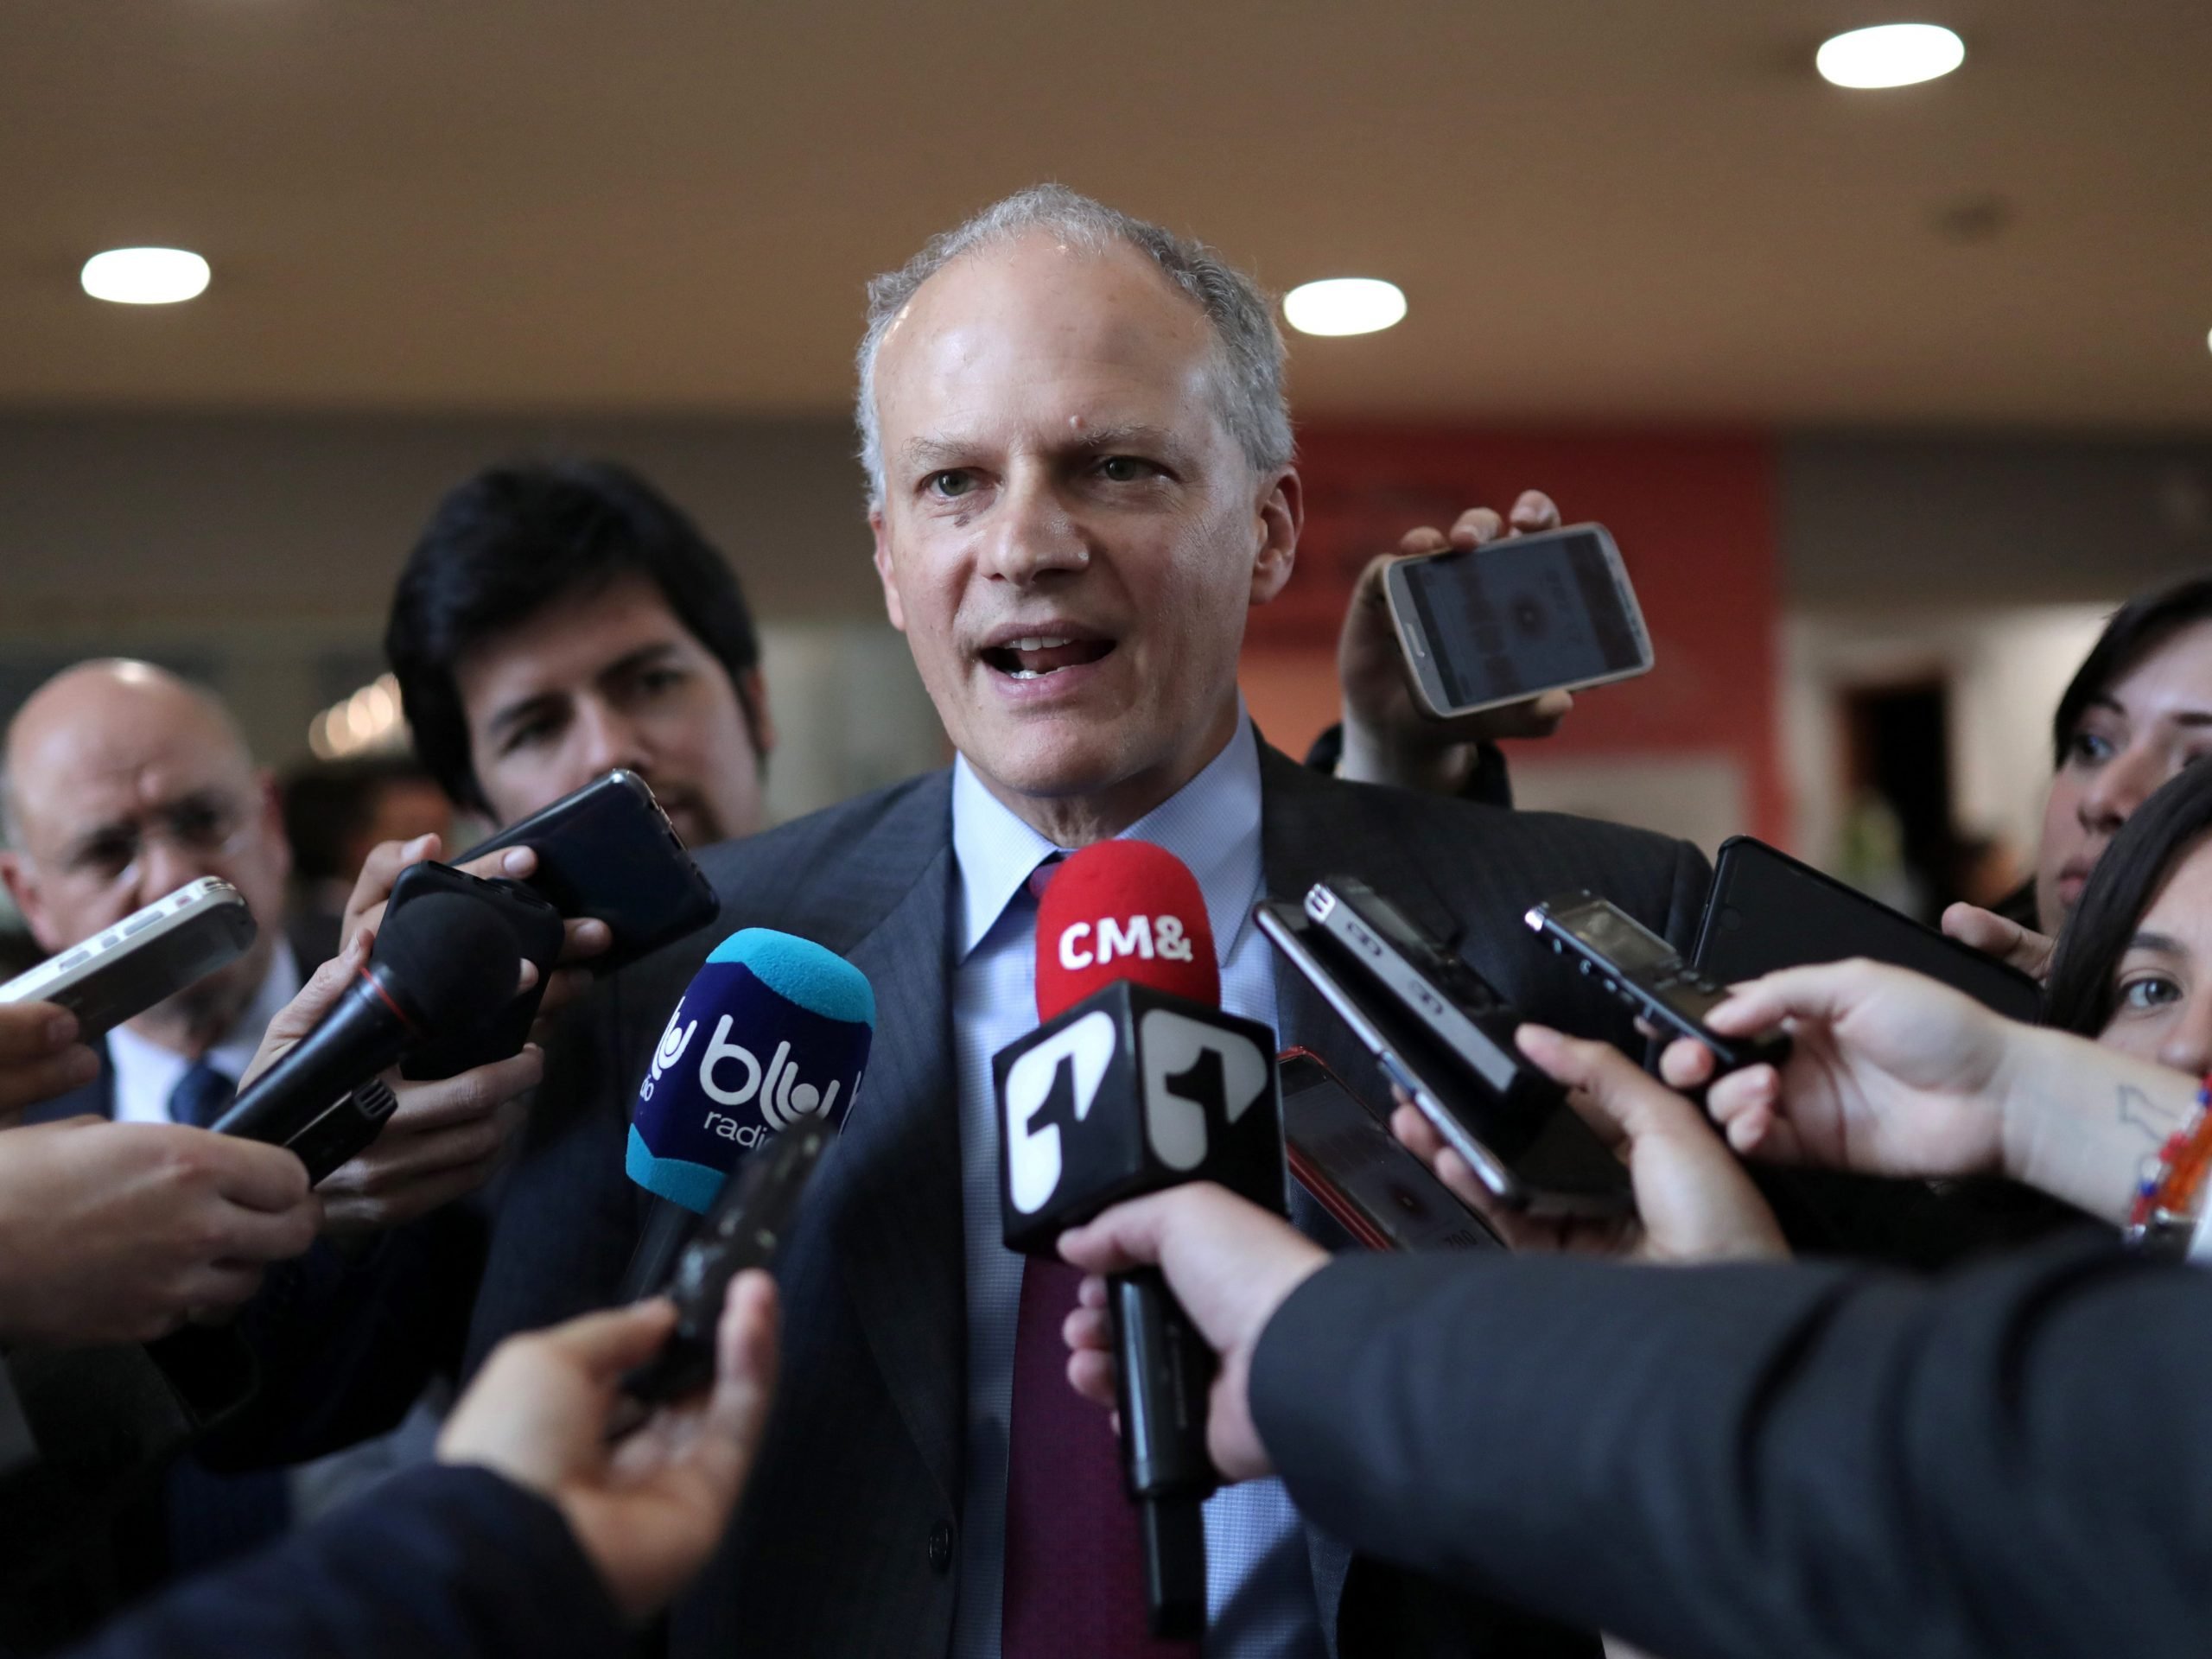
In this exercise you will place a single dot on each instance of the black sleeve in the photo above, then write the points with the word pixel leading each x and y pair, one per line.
pixel 1488 782
pixel 1798 1459
pixel 345 1343
pixel 434 1563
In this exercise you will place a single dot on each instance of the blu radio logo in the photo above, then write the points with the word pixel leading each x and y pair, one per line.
pixel 783 1099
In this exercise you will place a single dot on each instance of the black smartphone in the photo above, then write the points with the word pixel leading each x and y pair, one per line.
pixel 1526 1144
pixel 1646 973
pixel 1481 626
pixel 1341 1154
pixel 1768 911
pixel 745 1229
pixel 536 927
pixel 607 851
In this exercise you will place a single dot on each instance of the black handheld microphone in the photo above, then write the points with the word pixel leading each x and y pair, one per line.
pixel 1136 1080
pixel 446 963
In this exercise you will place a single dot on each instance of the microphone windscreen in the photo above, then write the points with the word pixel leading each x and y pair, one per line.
pixel 772 1029
pixel 452 959
pixel 1124 910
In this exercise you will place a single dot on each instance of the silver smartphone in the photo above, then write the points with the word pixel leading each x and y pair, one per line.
pixel 149 955
pixel 1487 626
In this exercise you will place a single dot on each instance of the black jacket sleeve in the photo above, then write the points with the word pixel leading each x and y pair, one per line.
pixel 1812 1460
pixel 437 1563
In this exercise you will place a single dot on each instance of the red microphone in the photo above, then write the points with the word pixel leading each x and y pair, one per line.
pixel 1124 910
pixel 1134 1081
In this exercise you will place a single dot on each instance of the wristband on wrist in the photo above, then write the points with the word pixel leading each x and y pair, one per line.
pixel 2163 1218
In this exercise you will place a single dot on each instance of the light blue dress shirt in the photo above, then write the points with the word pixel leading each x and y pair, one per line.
pixel 1259 1581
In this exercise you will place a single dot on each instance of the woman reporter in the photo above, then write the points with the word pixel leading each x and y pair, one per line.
pixel 2137 711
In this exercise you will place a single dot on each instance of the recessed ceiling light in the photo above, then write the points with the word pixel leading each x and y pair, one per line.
pixel 1890 55
pixel 1344 305
pixel 144 275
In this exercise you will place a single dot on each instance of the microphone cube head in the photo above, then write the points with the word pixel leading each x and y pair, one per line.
pixel 773 1030
pixel 1132 1090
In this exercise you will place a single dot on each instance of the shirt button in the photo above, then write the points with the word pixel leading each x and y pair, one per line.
pixel 941 1546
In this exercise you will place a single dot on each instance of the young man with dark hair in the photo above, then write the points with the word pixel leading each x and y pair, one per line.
pixel 560 619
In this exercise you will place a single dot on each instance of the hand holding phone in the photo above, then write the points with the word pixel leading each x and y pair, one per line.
pixel 1482 627
pixel 1388 737
pixel 1510 1123
pixel 607 852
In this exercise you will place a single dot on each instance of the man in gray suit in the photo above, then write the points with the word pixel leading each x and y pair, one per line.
pixel 1079 463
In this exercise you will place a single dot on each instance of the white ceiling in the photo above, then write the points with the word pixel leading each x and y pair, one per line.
pixel 1621 210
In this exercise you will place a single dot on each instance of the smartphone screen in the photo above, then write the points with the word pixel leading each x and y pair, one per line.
pixel 1522 616
pixel 1342 1155
pixel 1618 938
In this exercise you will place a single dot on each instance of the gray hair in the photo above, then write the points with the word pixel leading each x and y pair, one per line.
pixel 1248 380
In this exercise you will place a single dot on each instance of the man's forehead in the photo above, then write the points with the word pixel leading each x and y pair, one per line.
pixel 1013 324
pixel 571 641
pixel 91 775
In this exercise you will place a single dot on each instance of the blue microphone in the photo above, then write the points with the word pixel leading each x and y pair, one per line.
pixel 773 1030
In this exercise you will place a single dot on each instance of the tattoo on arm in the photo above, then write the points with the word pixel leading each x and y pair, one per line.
pixel 2138 1108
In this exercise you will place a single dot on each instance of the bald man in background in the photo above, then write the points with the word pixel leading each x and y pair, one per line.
pixel 122 784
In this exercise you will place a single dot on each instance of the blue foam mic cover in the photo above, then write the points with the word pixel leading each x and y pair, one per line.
pixel 772 1029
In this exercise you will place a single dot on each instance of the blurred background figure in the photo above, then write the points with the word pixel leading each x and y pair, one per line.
pixel 334 812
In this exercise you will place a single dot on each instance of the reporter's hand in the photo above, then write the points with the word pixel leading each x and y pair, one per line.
pixel 1230 1264
pixel 39 1057
pixel 444 1138
pixel 1986 931
pixel 1388 737
pixel 649 1511
pixel 1889 1073
pixel 119 1232
pixel 1694 1203
pixel 580 941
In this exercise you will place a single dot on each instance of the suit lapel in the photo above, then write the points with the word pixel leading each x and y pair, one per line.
pixel 898 1234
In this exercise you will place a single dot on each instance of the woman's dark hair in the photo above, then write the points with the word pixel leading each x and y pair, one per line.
pixel 2080 996
pixel 514 538
pixel 2137 629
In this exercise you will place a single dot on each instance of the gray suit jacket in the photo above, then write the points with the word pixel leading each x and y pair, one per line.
pixel 846 1542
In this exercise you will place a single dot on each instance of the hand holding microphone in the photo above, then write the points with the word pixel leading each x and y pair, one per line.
pixel 385 1151
pixel 1228 1264
pixel 1136 1080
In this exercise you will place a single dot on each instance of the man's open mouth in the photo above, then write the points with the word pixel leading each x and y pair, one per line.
pixel 1034 656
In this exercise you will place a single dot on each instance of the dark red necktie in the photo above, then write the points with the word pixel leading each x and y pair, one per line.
pixel 1074 1584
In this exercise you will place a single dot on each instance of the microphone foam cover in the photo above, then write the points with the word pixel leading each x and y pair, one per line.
pixel 452 959
pixel 1124 910
pixel 772 1029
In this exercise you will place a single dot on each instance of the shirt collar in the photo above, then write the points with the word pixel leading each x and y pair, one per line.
pixel 1212 823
